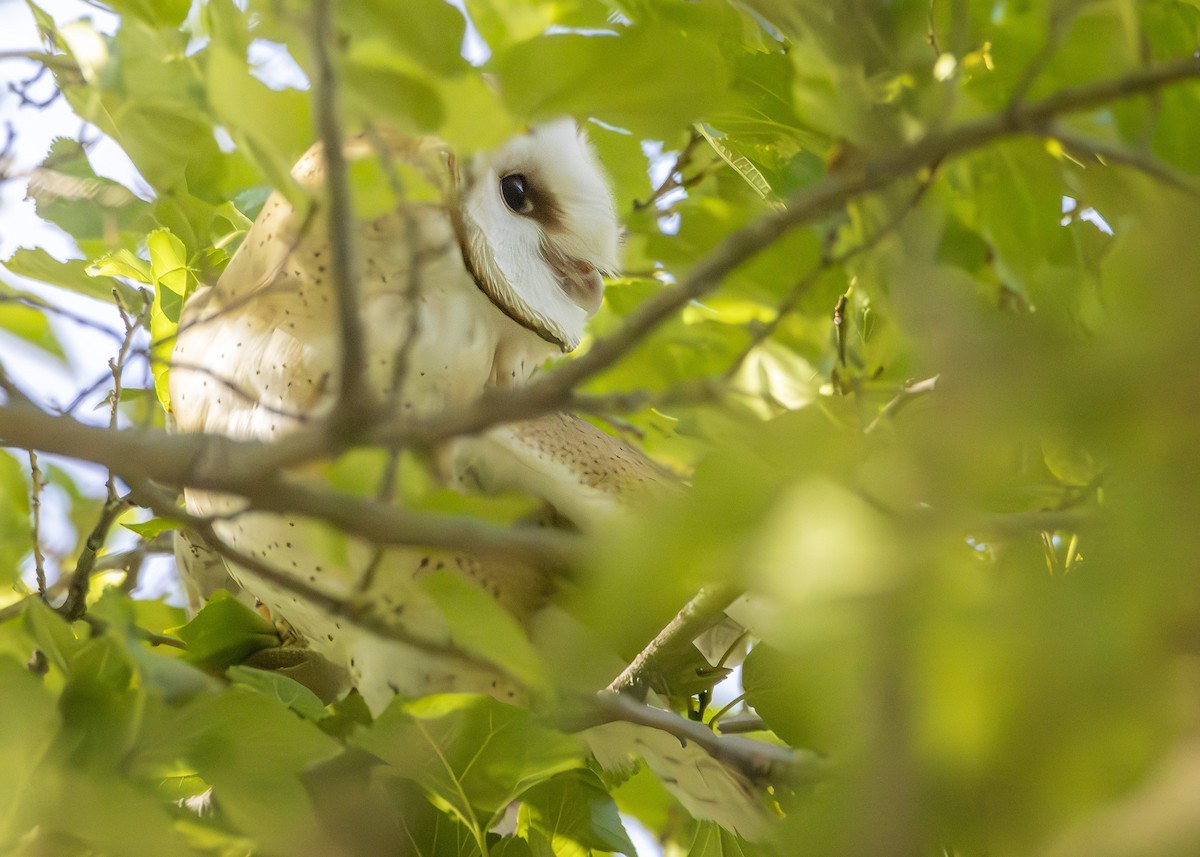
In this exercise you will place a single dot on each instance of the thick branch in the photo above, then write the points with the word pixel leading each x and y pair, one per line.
pixel 219 464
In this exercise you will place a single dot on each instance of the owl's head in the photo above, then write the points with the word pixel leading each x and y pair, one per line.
pixel 541 230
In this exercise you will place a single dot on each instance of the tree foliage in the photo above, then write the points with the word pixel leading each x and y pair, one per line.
pixel 909 297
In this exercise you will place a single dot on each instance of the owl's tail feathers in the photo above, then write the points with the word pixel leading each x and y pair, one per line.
pixel 717 778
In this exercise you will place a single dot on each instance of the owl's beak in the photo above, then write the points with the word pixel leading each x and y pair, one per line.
pixel 579 279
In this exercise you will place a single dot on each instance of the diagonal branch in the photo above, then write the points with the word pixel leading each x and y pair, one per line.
pixel 693 619
pixel 802 208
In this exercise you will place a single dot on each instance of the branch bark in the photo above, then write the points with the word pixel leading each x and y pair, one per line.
pixel 215 463
pixel 693 619
pixel 758 761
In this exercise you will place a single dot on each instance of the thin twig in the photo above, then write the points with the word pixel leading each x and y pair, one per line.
pixel 76 604
pixel 35 508
pixel 217 463
pixel 354 397
pixel 693 619
pixel 758 761
pixel 674 179
pixel 911 390
pixel 741 723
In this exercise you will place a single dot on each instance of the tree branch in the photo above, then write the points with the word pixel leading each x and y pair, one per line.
pixel 215 463
pixel 911 390
pixel 758 761
pixel 802 208
pixel 354 397
pixel 693 619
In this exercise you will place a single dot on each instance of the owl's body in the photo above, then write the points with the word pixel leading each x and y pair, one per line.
pixel 258 354
pixel 474 290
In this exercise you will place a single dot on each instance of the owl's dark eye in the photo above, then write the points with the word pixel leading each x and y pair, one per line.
pixel 515 192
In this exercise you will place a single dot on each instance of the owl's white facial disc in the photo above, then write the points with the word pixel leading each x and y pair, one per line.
pixel 542 230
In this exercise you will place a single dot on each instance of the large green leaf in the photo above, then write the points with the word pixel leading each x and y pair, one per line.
pixel 470 753
pixel 577 808
pixel 74 275
pixel 605 76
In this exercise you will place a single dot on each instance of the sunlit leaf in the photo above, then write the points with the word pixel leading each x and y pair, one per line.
pixel 225 632
pixel 470 752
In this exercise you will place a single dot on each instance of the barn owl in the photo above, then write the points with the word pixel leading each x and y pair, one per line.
pixel 482 271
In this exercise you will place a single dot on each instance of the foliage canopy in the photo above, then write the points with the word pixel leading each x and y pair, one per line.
pixel 909 296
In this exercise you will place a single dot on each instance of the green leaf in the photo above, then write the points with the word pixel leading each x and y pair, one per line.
pixel 252 750
pixel 225 632
pixel 94 211
pixel 480 626
pixel 51 633
pixel 27 323
pixel 74 275
pixel 165 13
pixel 711 840
pixel 606 77
pixel 429 33
pixel 272 127
pixel 28 724
pixel 122 263
pixel 288 691
pixel 16 538
pixel 173 281
pixel 739 163
pixel 471 753
pixel 574 806
pixel 153 527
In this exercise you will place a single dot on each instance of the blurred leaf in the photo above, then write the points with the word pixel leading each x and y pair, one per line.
pixel 52 634
pixel 16 539
pixel 225 632
pixel 153 527
pixel 429 33
pixel 480 626
pixel 75 275
pixel 28 722
pixel 168 13
pixel 27 323
pixel 95 211
pixel 605 76
pixel 252 750
pixel 712 841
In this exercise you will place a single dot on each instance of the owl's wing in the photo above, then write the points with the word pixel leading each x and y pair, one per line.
pixel 584 473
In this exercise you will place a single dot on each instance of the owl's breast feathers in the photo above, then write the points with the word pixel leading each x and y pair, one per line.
pixel 257 353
